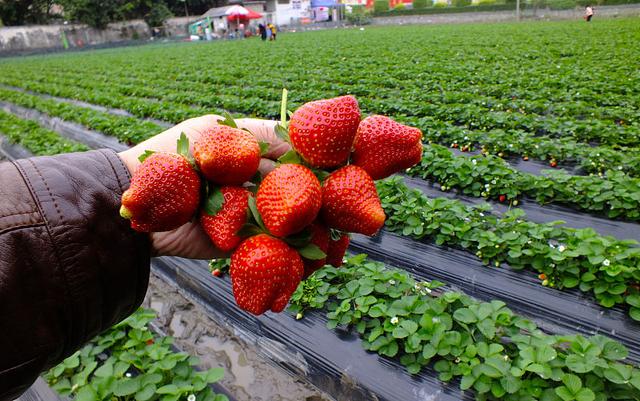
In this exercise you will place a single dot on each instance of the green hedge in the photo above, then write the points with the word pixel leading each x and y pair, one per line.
pixel 419 4
pixel 381 6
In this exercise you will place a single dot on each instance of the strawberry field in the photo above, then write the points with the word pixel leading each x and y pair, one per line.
pixel 509 265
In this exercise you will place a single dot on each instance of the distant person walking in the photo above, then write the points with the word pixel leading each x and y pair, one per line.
pixel 588 13
pixel 263 31
pixel 268 31
pixel 273 30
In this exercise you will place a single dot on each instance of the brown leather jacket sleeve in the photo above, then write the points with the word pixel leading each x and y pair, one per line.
pixel 70 267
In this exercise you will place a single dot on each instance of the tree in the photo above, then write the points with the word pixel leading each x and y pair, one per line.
pixel 22 12
pixel 158 15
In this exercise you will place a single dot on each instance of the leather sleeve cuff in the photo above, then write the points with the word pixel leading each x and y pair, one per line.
pixel 102 263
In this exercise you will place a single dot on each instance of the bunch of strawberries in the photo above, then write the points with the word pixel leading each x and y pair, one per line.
pixel 282 227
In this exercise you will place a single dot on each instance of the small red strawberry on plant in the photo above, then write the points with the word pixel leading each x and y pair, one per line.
pixel 227 155
pixel 502 198
pixel 338 244
pixel 322 131
pixel 553 163
pixel 289 199
pixel 350 201
pixel 265 272
pixel 224 214
pixel 164 193
pixel 384 147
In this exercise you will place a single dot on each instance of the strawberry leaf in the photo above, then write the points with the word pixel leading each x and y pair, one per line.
pixel 321 174
pixel 282 132
pixel 249 230
pixel 335 234
pixel 291 157
pixel 183 145
pixel 255 213
pixel 264 148
pixel 146 154
pixel 228 120
pixel 183 150
pixel 299 240
pixel 215 201
pixel 312 252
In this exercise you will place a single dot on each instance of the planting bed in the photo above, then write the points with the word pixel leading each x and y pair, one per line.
pixel 488 90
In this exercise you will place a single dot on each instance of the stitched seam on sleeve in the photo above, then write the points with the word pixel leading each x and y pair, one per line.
pixel 14 228
pixel 60 269
pixel 122 166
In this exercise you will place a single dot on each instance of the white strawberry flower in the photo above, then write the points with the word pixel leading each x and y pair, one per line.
pixel 561 248
pixel 191 397
pixel 394 320
pixel 606 262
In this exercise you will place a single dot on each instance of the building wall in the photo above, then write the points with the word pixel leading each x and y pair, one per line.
pixel 291 12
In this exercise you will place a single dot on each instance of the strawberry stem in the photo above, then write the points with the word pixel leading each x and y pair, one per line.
pixel 283 108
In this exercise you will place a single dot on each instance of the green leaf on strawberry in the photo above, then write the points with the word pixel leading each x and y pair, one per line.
pixel 312 252
pixel 264 147
pixel 228 121
pixel 291 157
pixel 146 154
pixel 214 202
pixel 253 207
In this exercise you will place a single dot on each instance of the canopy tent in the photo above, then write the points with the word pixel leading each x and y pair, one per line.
pixel 236 13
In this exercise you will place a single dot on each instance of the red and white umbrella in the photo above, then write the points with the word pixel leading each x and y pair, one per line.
pixel 237 12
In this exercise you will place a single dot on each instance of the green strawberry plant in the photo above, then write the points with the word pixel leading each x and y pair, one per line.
pixel 496 354
pixel 129 362
pixel 616 195
pixel 563 257
pixel 35 138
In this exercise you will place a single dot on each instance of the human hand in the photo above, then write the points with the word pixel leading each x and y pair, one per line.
pixel 190 240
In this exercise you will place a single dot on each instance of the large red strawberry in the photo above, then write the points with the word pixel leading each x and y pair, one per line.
pixel 289 199
pixel 383 147
pixel 350 201
pixel 227 156
pixel 164 194
pixel 322 132
pixel 319 237
pixel 223 227
pixel 265 272
pixel 337 249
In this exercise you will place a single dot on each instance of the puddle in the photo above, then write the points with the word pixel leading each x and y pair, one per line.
pixel 243 373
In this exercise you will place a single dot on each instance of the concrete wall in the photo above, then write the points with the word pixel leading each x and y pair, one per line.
pixel 498 16
pixel 35 37
pixel 50 36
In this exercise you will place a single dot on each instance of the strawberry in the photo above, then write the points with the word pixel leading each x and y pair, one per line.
pixel 265 272
pixel 384 147
pixel 227 156
pixel 502 198
pixel 222 227
pixel 350 201
pixel 553 163
pixel 289 199
pixel 164 194
pixel 322 132
pixel 337 249
pixel 319 237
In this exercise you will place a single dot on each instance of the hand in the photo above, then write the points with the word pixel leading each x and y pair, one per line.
pixel 189 240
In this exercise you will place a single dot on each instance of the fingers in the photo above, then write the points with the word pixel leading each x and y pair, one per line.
pixel 264 131
pixel 266 165
pixel 187 241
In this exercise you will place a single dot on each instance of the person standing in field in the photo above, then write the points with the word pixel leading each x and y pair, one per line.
pixel 273 30
pixel 263 32
pixel 267 30
pixel 588 13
